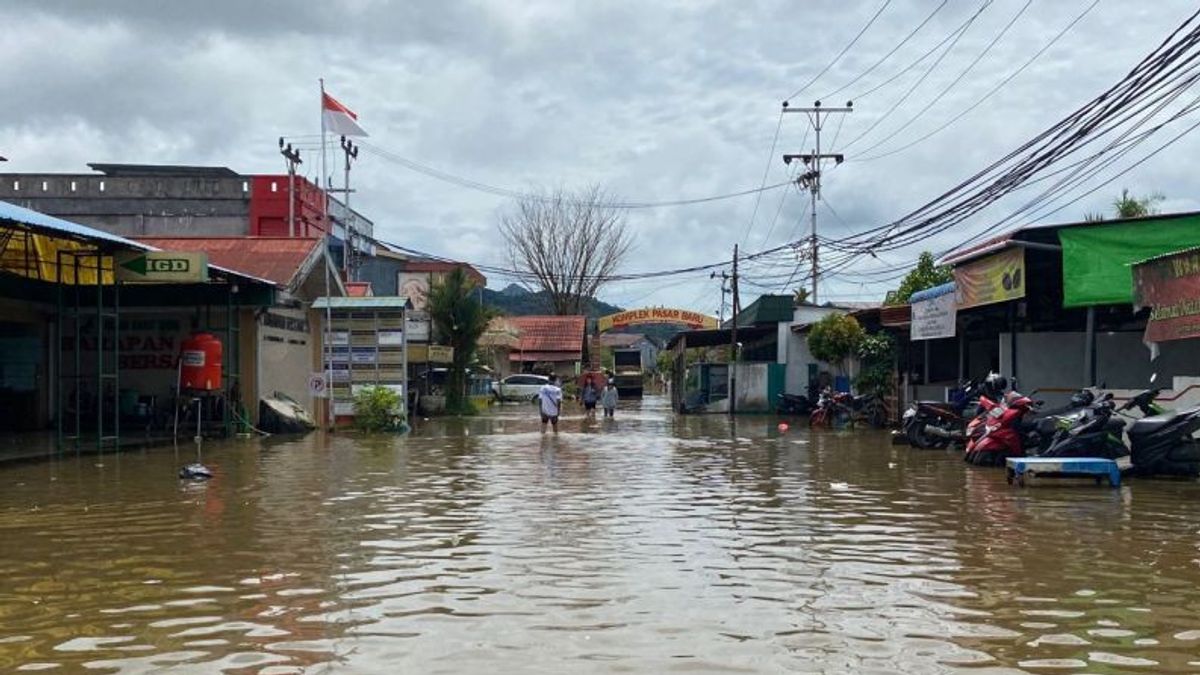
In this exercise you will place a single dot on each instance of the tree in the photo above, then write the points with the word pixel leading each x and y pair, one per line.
pixel 459 321
pixel 800 296
pixel 570 242
pixel 1126 205
pixel 876 353
pixel 924 275
pixel 834 338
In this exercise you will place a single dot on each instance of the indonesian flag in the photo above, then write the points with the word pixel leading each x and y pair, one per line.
pixel 339 120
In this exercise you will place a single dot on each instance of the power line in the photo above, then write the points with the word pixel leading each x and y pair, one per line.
pixel 888 55
pixel 766 172
pixel 515 194
pixel 841 53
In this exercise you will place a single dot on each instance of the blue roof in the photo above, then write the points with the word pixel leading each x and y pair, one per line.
pixel 931 293
pixel 51 225
pixel 64 228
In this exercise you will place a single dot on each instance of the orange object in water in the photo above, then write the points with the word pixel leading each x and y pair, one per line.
pixel 783 426
pixel 200 367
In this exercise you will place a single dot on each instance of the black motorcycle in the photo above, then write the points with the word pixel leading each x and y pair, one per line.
pixel 937 424
pixel 1161 443
pixel 1088 432
pixel 793 404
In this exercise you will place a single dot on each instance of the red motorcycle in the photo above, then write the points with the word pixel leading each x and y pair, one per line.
pixel 1002 432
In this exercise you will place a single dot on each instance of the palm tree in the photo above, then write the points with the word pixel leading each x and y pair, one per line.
pixel 459 320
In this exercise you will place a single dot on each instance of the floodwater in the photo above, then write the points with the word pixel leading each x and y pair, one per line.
pixel 652 544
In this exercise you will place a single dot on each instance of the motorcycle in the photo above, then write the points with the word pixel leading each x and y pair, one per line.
pixel 1093 432
pixel 1161 443
pixel 936 424
pixel 869 408
pixel 832 409
pixel 794 404
pixel 1001 437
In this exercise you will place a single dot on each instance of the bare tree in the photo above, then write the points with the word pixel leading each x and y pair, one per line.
pixel 569 242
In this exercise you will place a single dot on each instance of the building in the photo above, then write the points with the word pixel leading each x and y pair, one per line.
pixel 554 342
pixel 95 359
pixel 133 200
pixel 638 341
pixel 287 337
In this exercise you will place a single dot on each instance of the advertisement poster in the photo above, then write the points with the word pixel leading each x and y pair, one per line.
pixel 1170 287
pixel 997 278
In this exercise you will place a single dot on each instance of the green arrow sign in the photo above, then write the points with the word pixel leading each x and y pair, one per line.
pixel 162 267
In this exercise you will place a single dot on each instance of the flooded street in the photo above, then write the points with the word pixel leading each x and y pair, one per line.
pixel 652 544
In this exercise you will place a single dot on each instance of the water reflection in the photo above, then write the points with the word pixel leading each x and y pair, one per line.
pixel 646 543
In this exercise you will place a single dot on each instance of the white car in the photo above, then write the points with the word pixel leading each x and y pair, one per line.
pixel 521 387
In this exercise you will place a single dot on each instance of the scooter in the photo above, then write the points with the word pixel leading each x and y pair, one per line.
pixel 934 424
pixel 832 409
pixel 1093 432
pixel 794 404
pixel 1161 443
pixel 1001 437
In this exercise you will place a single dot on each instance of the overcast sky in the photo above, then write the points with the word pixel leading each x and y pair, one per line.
pixel 654 101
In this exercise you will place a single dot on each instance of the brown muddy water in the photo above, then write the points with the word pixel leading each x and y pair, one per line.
pixel 652 544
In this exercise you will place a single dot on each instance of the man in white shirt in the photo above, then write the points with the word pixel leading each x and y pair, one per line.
pixel 550 398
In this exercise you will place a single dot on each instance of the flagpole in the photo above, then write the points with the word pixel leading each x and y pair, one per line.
pixel 329 417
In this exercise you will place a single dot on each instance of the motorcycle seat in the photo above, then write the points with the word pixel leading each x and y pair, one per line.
pixel 1149 425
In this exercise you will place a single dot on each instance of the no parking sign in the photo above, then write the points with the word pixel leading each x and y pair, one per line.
pixel 316 385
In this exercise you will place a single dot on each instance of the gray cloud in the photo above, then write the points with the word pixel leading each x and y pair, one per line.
pixel 654 100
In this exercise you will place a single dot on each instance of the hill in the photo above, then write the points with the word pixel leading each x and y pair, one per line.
pixel 516 301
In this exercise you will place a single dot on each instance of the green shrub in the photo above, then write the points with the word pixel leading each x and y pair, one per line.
pixel 835 338
pixel 378 409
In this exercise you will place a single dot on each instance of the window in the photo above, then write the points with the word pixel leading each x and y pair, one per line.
pixel 102 186
pixel 73 186
pixel 45 185
pixel 274 186
pixel 16 186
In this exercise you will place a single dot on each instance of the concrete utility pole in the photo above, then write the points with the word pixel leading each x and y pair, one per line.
pixel 733 341
pixel 293 160
pixel 811 179
pixel 724 276
pixel 350 151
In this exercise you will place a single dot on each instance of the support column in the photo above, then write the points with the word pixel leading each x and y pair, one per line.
pixel 1089 349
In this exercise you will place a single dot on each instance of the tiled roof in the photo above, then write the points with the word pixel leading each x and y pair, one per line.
pixel 563 334
pixel 276 259
pixel 358 289
pixel 533 357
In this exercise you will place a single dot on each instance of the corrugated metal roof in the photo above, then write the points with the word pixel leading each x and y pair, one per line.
pixel 277 259
pixel 931 293
pixel 47 224
pixel 550 333
pixel 63 228
pixel 367 303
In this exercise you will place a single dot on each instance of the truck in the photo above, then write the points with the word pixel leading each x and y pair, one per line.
pixel 627 372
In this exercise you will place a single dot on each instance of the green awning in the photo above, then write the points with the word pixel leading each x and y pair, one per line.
pixel 1097 258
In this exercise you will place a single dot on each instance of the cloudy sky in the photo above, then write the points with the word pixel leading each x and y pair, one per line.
pixel 655 101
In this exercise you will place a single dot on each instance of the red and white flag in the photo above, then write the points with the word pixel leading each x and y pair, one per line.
pixel 339 120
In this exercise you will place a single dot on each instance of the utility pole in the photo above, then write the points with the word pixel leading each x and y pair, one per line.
pixel 293 160
pixel 724 292
pixel 811 179
pixel 733 341
pixel 350 151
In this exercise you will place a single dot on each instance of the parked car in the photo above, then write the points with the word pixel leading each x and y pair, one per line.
pixel 522 387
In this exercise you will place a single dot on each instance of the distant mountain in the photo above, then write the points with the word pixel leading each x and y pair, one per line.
pixel 513 300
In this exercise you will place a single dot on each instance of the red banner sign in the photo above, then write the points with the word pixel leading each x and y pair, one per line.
pixel 1170 287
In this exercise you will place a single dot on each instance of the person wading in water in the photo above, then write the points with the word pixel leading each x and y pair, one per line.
pixel 590 396
pixel 550 400
pixel 609 399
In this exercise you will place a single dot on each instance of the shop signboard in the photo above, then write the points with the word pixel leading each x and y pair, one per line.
pixel 161 266
pixel 934 313
pixel 1170 286
pixel 999 277
pixel 391 338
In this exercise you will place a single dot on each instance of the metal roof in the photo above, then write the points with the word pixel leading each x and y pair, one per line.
pixel 364 303
pixel 64 228
pixel 931 293
pixel 46 224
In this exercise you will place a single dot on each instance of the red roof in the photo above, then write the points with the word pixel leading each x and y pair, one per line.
pixel 560 334
pixel 358 289
pixel 276 259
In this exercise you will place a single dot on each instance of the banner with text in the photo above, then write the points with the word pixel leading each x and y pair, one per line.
pixel 650 315
pixel 933 315
pixel 997 278
pixel 1170 287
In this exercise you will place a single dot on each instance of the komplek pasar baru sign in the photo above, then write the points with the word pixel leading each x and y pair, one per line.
pixel 1170 286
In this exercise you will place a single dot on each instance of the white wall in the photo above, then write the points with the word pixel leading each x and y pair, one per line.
pixel 284 355
pixel 751 387
pixel 793 347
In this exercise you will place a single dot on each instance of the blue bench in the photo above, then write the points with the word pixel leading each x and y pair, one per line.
pixel 1020 469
